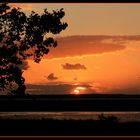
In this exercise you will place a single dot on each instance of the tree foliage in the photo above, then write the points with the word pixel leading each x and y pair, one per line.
pixel 21 37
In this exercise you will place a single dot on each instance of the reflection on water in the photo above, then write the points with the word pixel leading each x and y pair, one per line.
pixel 122 116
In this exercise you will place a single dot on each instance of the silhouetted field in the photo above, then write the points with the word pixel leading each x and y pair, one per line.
pixel 48 127
pixel 89 102
pixel 68 127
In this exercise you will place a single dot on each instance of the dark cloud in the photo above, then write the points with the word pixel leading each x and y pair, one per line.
pixel 72 46
pixel 75 79
pixel 77 66
pixel 57 89
pixel 61 88
pixel 125 90
pixel 24 65
pixel 51 77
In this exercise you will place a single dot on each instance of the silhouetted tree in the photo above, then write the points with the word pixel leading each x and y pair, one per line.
pixel 22 37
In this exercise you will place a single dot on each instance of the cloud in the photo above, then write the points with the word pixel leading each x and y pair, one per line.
pixel 125 90
pixel 72 46
pixel 24 65
pixel 57 89
pixel 77 66
pixel 52 77
pixel 75 78
pixel 61 88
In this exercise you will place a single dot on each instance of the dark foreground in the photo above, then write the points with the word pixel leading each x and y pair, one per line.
pixel 70 103
pixel 68 128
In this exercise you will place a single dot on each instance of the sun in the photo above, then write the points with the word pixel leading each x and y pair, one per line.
pixel 78 90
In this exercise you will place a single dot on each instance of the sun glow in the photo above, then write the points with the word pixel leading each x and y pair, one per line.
pixel 78 90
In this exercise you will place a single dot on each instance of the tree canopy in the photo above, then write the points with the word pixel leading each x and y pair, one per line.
pixel 21 37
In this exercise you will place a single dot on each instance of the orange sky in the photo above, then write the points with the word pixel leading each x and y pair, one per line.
pixel 109 68
pixel 101 48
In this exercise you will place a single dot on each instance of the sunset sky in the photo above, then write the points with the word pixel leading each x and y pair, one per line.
pixel 99 52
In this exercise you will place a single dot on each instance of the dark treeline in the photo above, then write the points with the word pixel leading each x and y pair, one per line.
pixel 70 103
pixel 94 95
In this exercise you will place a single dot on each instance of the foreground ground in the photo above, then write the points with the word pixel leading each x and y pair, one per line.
pixel 68 128
pixel 49 127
